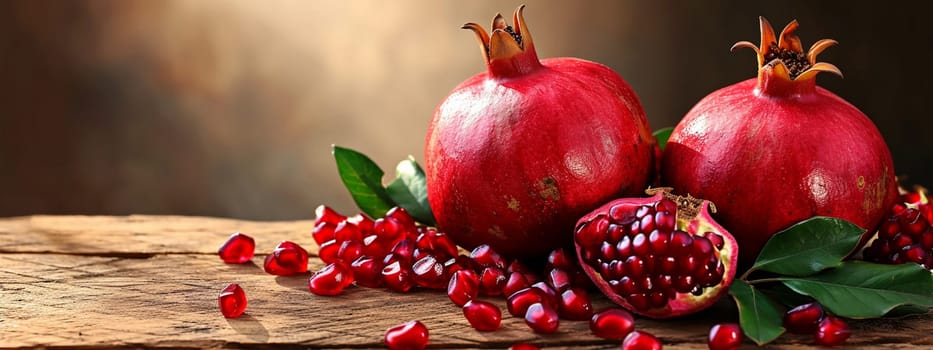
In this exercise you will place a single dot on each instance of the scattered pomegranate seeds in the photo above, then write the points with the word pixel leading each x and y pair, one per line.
pixel 288 258
pixel 483 316
pixel 641 341
pixel 803 319
pixel 331 280
pixel 832 331
pixel 407 336
pixel 613 324
pixel 542 318
pixel 238 249
pixel 725 336
pixel 232 301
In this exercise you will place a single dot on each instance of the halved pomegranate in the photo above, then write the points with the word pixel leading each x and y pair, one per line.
pixel 661 256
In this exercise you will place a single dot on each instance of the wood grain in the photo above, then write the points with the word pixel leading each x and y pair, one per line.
pixel 152 282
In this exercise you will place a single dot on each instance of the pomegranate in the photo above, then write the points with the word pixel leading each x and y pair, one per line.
pixel 412 335
pixel 613 324
pixel 905 235
pixel 288 258
pixel 803 319
pixel 778 149
pixel 483 316
pixel 238 249
pixel 542 318
pixel 515 154
pixel 661 256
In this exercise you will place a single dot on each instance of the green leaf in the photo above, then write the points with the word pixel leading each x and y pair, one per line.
pixel 759 317
pixel 662 135
pixel 409 191
pixel 363 178
pixel 858 289
pixel 809 246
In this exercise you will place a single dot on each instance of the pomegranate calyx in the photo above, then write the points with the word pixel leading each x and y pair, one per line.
pixel 507 51
pixel 783 66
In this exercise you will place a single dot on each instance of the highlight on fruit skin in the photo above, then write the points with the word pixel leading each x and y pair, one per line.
pixel 515 154
pixel 777 149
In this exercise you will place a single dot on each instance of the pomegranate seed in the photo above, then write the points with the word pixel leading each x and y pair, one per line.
pixel 558 279
pixel 331 280
pixel 542 318
pixel 412 335
pixel 238 249
pixel 486 257
pixel 725 336
pixel 832 331
pixel 575 305
pixel 396 276
pixel 517 266
pixel 347 231
pixel 232 301
pixel 328 251
pixel 327 215
pixel 803 319
pixel 388 230
pixel 592 234
pixel 401 216
pixel 492 281
pixel 613 324
pixel 623 213
pixel 462 287
pixel 404 250
pixel 516 282
pixel 367 272
pixel 362 222
pixel 552 298
pixel 518 303
pixel 288 258
pixel 637 340
pixel 428 273
pixel 483 316
pixel 561 259
pixel 523 346
pixel 323 232
pixel 349 251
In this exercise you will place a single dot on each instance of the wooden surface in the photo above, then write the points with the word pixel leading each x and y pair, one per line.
pixel 152 281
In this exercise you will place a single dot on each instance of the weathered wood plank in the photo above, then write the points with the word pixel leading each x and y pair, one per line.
pixel 141 235
pixel 141 281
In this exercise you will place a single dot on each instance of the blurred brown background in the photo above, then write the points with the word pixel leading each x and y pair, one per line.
pixel 229 108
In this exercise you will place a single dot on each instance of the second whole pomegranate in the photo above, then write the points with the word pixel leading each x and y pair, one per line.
pixel 776 150
pixel 514 155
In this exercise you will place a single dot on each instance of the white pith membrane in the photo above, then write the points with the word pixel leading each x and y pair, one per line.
pixel 692 216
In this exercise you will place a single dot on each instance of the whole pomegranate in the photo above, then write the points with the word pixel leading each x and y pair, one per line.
pixel 516 154
pixel 778 149
pixel 661 256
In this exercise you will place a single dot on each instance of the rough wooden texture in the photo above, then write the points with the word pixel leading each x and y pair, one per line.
pixel 152 281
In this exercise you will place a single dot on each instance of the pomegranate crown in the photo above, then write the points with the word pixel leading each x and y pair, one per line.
pixel 783 57
pixel 508 50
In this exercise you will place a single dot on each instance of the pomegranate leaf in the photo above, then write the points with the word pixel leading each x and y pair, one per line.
pixel 363 178
pixel 809 246
pixel 858 289
pixel 759 316
pixel 409 190
pixel 662 135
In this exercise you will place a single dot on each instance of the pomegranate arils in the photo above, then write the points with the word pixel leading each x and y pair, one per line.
pixel 238 249
pixel 427 272
pixel 905 235
pixel 558 279
pixel 288 258
pixel 232 301
pixel 542 318
pixel 832 331
pixel 396 276
pixel 516 282
pixel 330 280
pixel 613 324
pixel 329 251
pixel 637 340
pixel 561 259
pixel 518 303
pixel 575 304
pixel 483 316
pixel 803 319
pixel 725 336
pixel 463 287
pixel 401 216
pixel 323 232
pixel 491 281
pixel 485 256
pixel 367 272
pixel 347 231
pixel 412 335
pixel 327 215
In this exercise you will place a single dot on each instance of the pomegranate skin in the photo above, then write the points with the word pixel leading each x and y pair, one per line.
pixel 770 152
pixel 514 155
